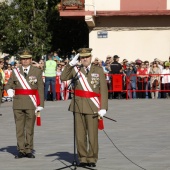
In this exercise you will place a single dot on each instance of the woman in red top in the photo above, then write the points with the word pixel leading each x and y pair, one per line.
pixel 142 75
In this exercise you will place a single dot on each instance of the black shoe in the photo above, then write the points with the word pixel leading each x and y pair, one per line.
pixel 91 164
pixel 0 114
pixel 30 155
pixel 20 155
pixel 82 164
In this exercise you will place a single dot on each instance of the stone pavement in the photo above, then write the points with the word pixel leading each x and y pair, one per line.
pixel 142 133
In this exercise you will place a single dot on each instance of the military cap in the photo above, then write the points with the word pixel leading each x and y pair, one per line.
pixel 26 54
pixel 85 52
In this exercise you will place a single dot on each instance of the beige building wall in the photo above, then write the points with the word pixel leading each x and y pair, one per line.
pixel 112 5
pixel 143 44
pixel 107 6
pixel 144 37
pixel 168 4
pixel 102 5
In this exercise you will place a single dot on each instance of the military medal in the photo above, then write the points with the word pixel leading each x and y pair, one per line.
pixel 32 80
pixel 94 79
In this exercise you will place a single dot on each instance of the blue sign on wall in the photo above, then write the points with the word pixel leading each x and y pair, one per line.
pixel 102 34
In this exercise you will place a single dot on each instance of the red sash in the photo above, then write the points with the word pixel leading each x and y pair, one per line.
pixel 86 94
pixel 89 94
pixel 29 92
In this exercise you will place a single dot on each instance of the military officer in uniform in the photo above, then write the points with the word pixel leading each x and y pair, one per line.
pixel 28 98
pixel 91 83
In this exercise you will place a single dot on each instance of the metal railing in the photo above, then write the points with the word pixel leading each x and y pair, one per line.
pixel 133 86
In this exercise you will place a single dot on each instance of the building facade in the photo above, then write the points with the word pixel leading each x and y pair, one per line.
pixel 129 28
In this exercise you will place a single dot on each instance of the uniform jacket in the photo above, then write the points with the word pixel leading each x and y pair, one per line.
pixel 85 105
pixel 24 101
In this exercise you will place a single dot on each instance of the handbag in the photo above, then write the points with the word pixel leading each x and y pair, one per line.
pixel 155 84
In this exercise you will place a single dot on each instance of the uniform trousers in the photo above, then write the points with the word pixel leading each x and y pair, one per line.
pixel 24 120
pixel 87 137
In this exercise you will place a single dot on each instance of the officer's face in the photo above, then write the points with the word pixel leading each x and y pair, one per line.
pixel 86 61
pixel 26 62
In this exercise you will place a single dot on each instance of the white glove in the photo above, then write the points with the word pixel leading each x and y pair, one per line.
pixel 10 92
pixel 74 61
pixel 39 108
pixel 102 112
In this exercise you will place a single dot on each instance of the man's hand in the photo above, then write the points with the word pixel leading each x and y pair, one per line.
pixel 39 108
pixel 74 61
pixel 102 112
pixel 10 92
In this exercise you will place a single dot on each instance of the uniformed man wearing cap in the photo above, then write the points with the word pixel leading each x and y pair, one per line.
pixel 28 98
pixel 91 98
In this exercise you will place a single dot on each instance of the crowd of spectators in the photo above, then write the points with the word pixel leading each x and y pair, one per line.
pixel 140 79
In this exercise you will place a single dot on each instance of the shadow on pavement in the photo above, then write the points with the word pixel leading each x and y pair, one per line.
pixel 66 156
pixel 10 149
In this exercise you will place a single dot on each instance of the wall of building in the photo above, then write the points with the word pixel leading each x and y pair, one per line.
pixel 132 37
pixel 135 28
pixel 143 44
pixel 143 4
pixel 124 5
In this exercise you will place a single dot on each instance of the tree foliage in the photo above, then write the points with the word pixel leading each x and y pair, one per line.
pixel 23 25
pixel 36 25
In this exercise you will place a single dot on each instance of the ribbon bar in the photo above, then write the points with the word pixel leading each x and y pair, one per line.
pixel 29 92
pixel 86 94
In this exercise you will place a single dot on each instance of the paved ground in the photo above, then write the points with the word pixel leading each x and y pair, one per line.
pixel 142 133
